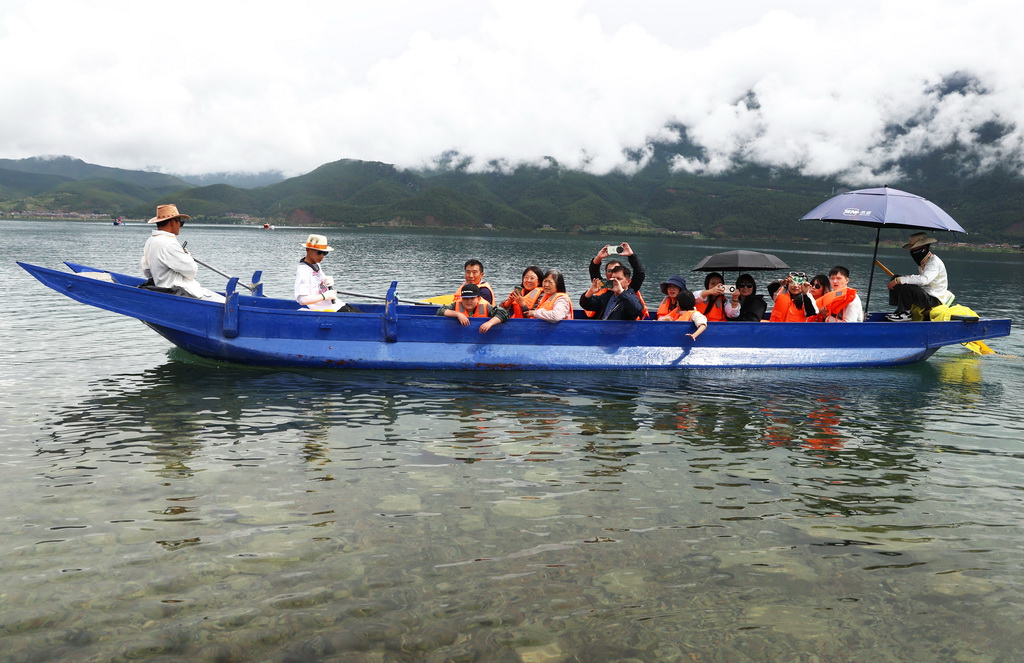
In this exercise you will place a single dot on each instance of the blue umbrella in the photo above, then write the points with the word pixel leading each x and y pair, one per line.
pixel 880 208
pixel 887 207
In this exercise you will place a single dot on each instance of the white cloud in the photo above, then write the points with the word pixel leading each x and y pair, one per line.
pixel 232 85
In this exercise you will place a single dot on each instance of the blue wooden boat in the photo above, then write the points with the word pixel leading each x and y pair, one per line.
pixel 257 330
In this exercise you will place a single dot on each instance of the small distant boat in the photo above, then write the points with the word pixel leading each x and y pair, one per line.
pixel 257 330
pixel 118 221
pixel 267 226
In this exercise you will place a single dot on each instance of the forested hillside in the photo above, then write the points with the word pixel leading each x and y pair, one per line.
pixel 751 202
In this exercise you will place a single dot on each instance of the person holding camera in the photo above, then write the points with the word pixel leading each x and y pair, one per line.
pixel 636 269
pixel 793 301
pixel 314 290
pixel 744 304
pixel 616 300
pixel 712 297
pixel 525 295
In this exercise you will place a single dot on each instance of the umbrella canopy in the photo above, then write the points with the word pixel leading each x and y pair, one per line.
pixel 884 207
pixel 739 261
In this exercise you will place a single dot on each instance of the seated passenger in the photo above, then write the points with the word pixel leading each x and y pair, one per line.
pixel 793 302
pixel 314 290
pixel 669 307
pixel 686 305
pixel 620 302
pixel 553 304
pixel 842 303
pixel 474 271
pixel 524 295
pixel 471 305
pixel 926 289
pixel 711 299
pixel 819 286
pixel 639 275
pixel 745 305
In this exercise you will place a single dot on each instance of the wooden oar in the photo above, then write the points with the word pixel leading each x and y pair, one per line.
pixel 885 269
pixel 252 288
pixel 422 302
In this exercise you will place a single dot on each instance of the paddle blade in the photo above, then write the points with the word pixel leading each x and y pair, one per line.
pixel 979 348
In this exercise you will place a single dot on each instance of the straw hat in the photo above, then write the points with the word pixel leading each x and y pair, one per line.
pixel 317 243
pixel 917 240
pixel 166 213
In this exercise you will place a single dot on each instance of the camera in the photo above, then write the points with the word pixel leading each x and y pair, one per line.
pixel 729 289
pixel 798 277
pixel 614 250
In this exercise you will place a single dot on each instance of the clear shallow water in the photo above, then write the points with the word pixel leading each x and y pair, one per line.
pixel 159 507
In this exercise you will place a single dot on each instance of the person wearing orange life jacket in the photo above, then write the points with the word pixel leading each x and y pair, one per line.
pixel 474 271
pixel 687 313
pixel 637 269
pixel 841 303
pixel 669 307
pixel 524 296
pixel 793 302
pixel 471 305
pixel 820 286
pixel 554 304
pixel 711 300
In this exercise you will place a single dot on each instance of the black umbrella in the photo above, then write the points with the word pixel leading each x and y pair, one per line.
pixel 883 207
pixel 739 261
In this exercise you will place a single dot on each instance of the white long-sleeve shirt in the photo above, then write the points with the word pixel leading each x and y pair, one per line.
pixel 560 310
pixel 932 278
pixel 169 265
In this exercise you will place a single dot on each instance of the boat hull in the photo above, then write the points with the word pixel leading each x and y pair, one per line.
pixel 257 330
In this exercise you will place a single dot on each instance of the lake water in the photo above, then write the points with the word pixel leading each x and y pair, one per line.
pixel 158 507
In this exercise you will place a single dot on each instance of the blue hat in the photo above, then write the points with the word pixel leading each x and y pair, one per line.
pixel 677 281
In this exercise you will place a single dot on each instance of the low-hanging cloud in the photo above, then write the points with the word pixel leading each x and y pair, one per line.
pixel 248 86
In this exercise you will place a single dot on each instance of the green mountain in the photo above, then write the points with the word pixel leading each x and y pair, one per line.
pixel 750 202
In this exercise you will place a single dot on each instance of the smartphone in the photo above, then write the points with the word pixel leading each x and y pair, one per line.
pixel 518 289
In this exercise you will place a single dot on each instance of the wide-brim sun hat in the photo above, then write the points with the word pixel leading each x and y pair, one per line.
pixel 917 240
pixel 677 281
pixel 167 213
pixel 317 243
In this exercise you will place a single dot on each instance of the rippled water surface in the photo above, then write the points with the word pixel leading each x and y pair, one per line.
pixel 159 507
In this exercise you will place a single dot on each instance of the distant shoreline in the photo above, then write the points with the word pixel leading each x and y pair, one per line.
pixel 258 224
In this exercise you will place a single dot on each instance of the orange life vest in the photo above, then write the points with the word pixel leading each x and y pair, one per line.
pixel 716 311
pixel 481 285
pixel 480 312
pixel 667 306
pixel 547 302
pixel 833 304
pixel 786 311
pixel 531 302
pixel 681 316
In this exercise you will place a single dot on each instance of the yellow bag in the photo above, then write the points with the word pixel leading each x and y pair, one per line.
pixel 945 313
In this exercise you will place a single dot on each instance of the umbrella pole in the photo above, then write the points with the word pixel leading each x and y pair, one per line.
pixel 871 279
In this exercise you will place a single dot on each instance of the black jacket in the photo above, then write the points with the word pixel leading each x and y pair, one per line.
pixel 626 307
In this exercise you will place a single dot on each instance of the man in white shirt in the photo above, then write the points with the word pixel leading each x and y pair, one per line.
pixel 926 289
pixel 167 263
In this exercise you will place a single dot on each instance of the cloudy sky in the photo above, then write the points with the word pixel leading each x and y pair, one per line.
pixel 229 85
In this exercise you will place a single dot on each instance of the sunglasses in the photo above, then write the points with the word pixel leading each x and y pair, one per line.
pixel 321 253
pixel 817 285
pixel 744 285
